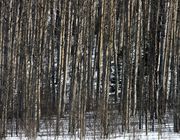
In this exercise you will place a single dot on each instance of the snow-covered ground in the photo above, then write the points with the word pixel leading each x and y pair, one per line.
pixel 166 134
pixel 127 136
pixel 48 131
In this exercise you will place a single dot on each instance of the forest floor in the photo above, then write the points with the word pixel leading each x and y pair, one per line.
pixel 127 136
pixel 48 127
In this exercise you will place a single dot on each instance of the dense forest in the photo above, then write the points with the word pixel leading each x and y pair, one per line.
pixel 112 63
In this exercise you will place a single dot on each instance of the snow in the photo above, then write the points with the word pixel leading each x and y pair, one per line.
pixel 166 132
pixel 128 136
